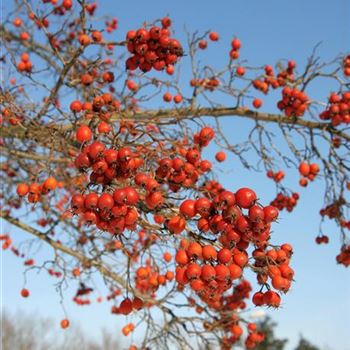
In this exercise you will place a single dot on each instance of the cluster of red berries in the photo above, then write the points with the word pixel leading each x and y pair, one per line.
pixel 111 25
pixel 24 65
pixel 207 83
pixel 213 36
pixel 66 5
pixel 212 188
pixel 54 273
pixel 230 322
pixel 112 213
pixel 294 102
pixel 82 291
pixel 308 172
pixel 268 298
pixel 283 201
pixel 35 191
pixel 127 306
pixel 344 256
pixel 235 47
pixel 345 224
pixel 208 272
pixel 333 210
pixel 7 241
pixel 224 214
pixel 346 66
pixel 273 81
pixel 203 267
pixel 286 75
pixel 114 292
pixel 185 169
pixel 277 176
pixel 107 164
pixel 127 329
pixel 274 264
pixel 101 75
pixel 167 97
pixel 101 106
pixel 254 337
pixel 322 239
pixel 153 48
pixel 13 119
pixel 80 301
pixel 338 109
pixel 148 279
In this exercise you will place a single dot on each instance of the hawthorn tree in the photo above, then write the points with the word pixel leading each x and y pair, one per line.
pixel 123 190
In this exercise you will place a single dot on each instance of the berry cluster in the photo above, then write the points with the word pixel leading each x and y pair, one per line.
pixel 274 264
pixel 14 119
pixel 294 102
pixel 153 48
pixel 7 241
pixel 81 296
pixel 212 188
pixel 35 191
pixel 111 25
pixel 277 176
pixel 345 224
pixel 209 271
pixel 270 79
pixel 322 239
pixel 24 65
pixel 338 110
pixel 346 66
pixel 54 273
pixel 112 213
pixel 286 75
pixel 283 201
pixel 213 36
pixel 231 325
pixel 100 106
pixel 148 279
pixel 207 83
pixel 167 97
pixel 344 256
pixel 235 47
pixel 308 172
pixel 127 329
pixel 127 306
pixel 106 164
pixel 333 210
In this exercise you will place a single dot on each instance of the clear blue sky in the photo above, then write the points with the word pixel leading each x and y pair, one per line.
pixel 318 305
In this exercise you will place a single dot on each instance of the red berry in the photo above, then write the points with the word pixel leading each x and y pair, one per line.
pixel 83 134
pixel 245 198
pixel 76 106
pixel 220 156
pixel 257 103
pixel 213 36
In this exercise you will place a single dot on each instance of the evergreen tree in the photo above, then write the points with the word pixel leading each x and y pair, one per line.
pixel 305 345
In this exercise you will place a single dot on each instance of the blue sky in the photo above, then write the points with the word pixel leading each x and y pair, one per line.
pixel 319 303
